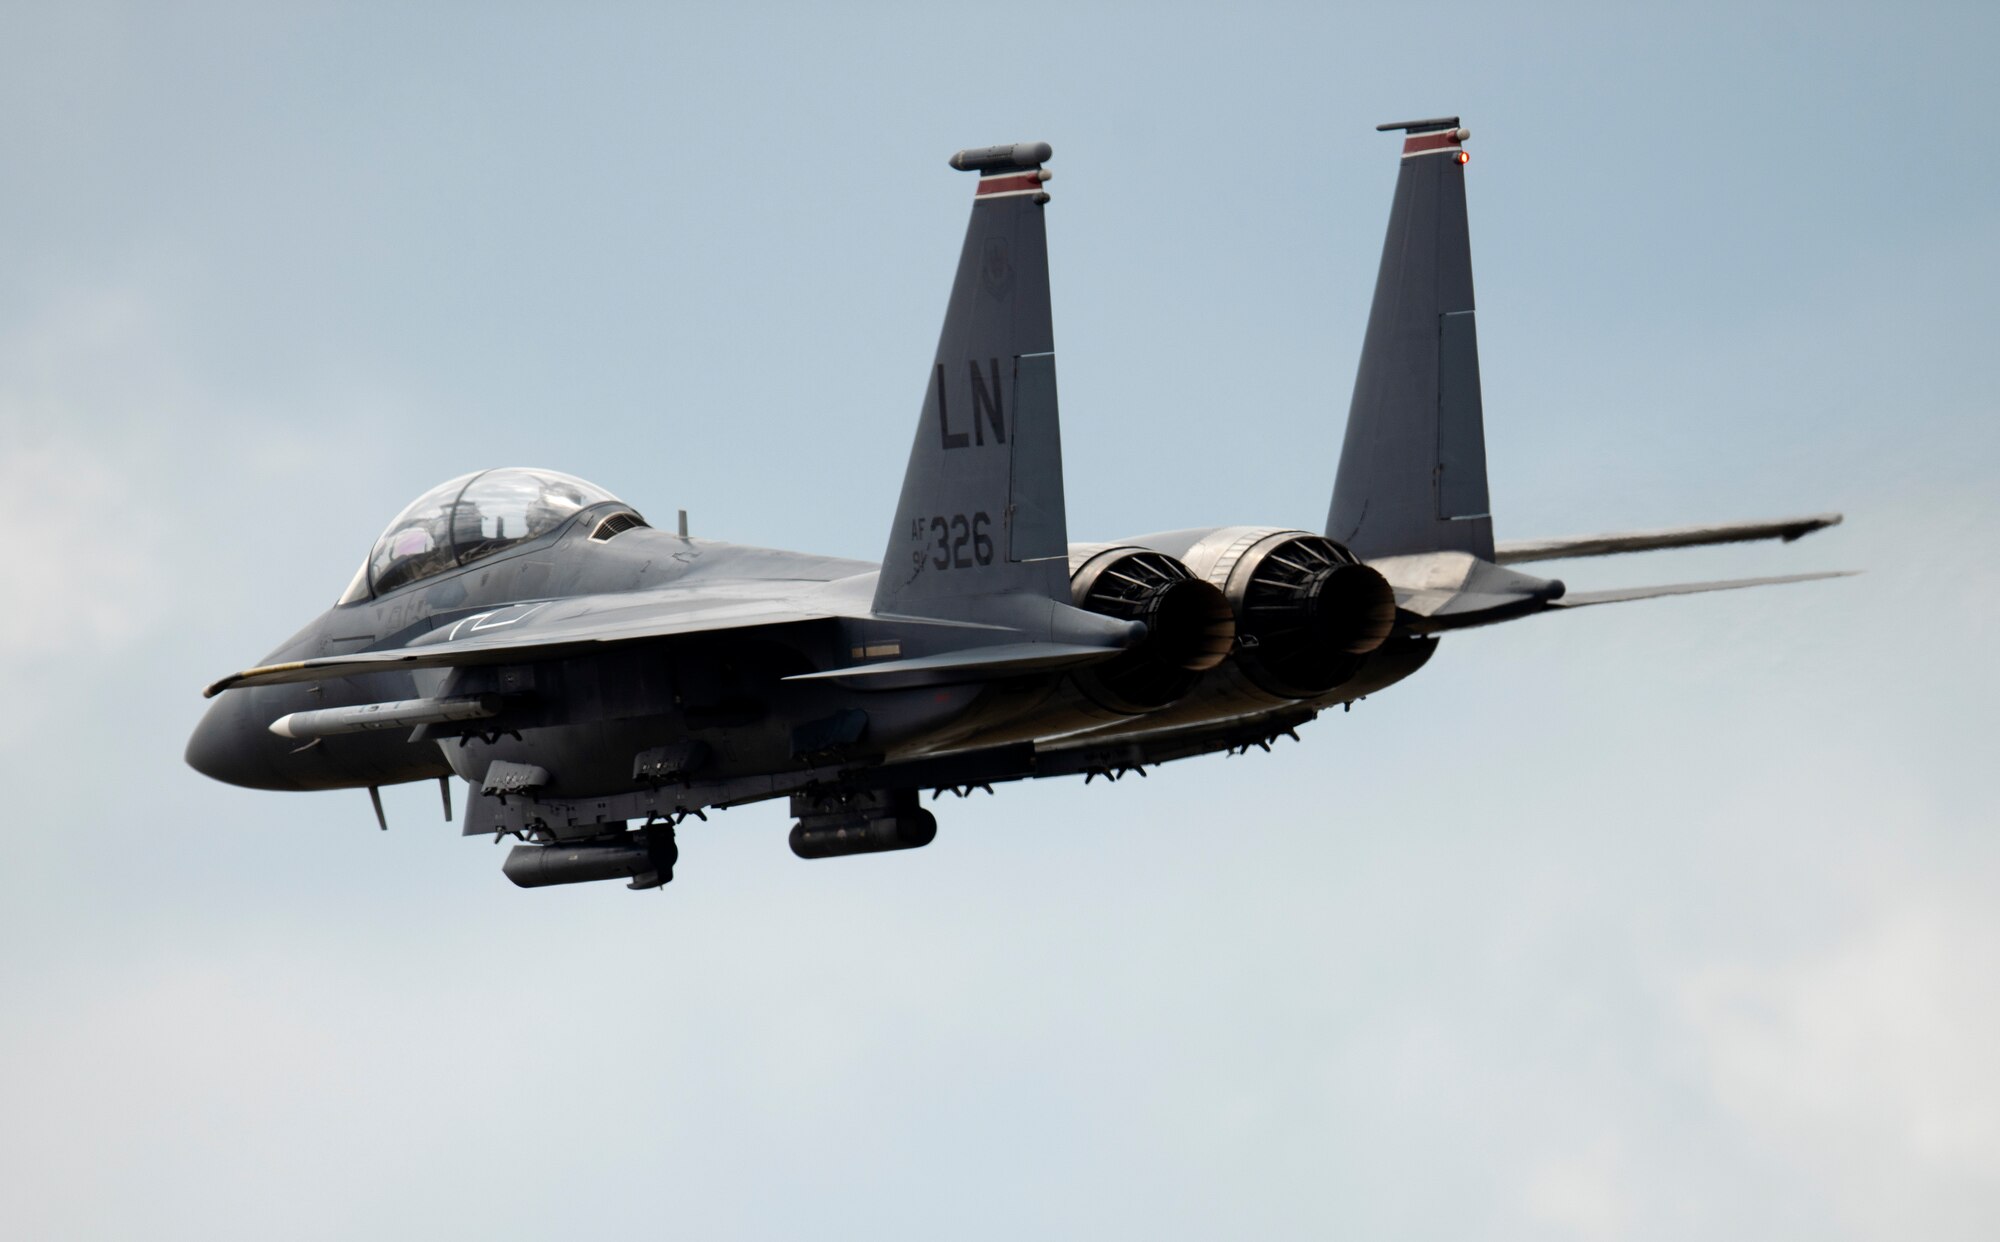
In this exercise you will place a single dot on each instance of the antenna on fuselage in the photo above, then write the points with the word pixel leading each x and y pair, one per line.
pixel 684 523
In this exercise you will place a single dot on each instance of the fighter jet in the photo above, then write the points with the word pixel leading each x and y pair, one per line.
pixel 597 681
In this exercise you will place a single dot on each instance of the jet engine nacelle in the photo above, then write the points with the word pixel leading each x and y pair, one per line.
pixel 1311 622
pixel 1308 612
pixel 1189 631
pixel 1189 626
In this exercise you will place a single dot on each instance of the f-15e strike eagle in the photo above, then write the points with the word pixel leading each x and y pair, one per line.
pixel 596 681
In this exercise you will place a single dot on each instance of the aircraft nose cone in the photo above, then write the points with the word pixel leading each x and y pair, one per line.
pixel 226 747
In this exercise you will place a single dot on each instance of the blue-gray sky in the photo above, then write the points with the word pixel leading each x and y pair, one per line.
pixel 1653 921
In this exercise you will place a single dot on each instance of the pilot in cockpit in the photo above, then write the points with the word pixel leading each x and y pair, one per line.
pixel 469 517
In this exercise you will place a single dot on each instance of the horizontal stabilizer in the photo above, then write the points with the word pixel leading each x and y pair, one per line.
pixel 1514 552
pixel 1452 591
pixel 1584 599
pixel 1002 660
pixel 1440 591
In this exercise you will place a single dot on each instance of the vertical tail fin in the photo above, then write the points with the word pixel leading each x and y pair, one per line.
pixel 981 512
pixel 1413 467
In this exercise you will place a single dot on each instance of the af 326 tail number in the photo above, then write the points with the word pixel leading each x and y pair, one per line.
pixel 953 541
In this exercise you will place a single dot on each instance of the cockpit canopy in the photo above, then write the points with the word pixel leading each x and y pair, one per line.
pixel 469 517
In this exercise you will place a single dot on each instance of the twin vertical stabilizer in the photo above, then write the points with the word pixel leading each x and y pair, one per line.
pixel 981 513
pixel 1413 467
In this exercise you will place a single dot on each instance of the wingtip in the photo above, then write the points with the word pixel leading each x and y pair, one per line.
pixel 1806 526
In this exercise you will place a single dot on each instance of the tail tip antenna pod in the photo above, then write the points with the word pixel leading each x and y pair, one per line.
pixel 1017 156
pixel 1441 135
pixel 1010 169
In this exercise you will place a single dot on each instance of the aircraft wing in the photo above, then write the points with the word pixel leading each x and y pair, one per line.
pixel 551 628
pixel 1515 551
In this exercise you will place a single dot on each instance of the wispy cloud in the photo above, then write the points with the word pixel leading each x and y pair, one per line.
pixel 87 394
pixel 1871 1061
